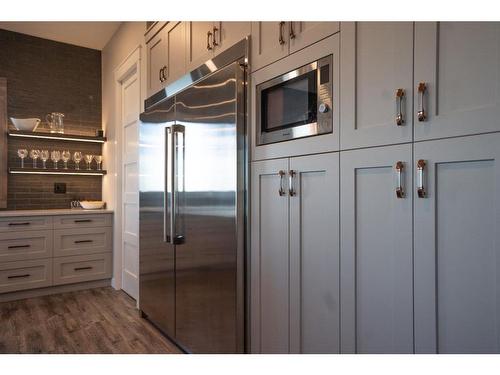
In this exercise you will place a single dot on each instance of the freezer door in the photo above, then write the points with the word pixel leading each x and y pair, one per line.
pixel 208 293
pixel 157 283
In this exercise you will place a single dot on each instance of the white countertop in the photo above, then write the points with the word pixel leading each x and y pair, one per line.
pixel 52 212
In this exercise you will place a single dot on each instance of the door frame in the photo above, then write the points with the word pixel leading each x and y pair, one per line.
pixel 131 63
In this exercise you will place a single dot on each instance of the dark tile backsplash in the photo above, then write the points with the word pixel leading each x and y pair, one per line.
pixel 44 76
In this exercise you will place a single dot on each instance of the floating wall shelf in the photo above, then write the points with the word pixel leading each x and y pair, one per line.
pixel 74 172
pixel 61 137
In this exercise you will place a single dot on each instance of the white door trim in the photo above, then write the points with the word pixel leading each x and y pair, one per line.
pixel 131 65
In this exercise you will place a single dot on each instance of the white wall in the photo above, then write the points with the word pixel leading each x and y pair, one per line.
pixel 126 39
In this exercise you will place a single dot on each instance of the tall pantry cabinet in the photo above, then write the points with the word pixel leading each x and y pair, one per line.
pixel 404 217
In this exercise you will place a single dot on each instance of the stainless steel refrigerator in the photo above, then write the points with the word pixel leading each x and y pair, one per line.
pixel 192 207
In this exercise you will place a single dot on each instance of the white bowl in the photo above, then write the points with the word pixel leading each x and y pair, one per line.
pixel 25 124
pixel 91 205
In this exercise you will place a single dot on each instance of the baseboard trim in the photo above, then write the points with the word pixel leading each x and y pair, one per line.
pixel 31 293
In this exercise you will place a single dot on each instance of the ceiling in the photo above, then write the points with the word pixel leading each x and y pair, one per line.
pixel 85 34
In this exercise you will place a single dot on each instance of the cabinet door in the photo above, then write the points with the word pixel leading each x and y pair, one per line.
pixel 376 251
pixel 157 60
pixel 303 34
pixel 269 259
pixel 200 46
pixel 176 43
pixel 376 61
pixel 314 254
pixel 266 45
pixel 457 246
pixel 230 33
pixel 459 62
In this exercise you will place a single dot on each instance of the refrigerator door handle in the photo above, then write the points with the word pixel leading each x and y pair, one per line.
pixel 175 177
pixel 168 201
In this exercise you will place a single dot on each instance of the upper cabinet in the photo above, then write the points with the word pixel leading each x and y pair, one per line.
pixel 376 83
pixel 207 39
pixel 272 41
pixel 457 67
pixel 166 55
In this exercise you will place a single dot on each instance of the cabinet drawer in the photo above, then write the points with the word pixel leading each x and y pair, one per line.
pixel 25 275
pixel 28 245
pixel 81 268
pixel 82 221
pixel 17 224
pixel 81 241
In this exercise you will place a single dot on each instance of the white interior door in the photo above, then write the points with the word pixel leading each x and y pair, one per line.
pixel 130 110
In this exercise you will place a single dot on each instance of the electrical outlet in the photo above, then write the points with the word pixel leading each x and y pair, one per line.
pixel 60 188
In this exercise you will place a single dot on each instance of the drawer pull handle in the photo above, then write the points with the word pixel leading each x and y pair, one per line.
pixel 18 246
pixel 82 268
pixel 83 241
pixel 18 276
pixel 83 221
pixel 13 224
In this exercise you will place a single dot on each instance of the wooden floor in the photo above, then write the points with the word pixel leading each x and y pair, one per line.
pixel 100 320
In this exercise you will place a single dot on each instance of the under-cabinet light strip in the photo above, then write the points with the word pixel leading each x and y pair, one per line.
pixel 70 173
pixel 59 138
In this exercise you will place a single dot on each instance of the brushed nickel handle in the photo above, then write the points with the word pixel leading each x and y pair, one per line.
pixel 209 35
pixel 281 40
pixel 400 192
pixel 292 31
pixel 400 96
pixel 281 190
pixel 19 276
pixel 82 268
pixel 421 114
pixel 291 190
pixel 421 188
pixel 18 246
pixel 214 36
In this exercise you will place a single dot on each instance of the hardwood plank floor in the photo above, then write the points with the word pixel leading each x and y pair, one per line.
pixel 98 321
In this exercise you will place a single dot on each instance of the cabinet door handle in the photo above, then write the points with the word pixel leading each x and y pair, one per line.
pixel 281 190
pixel 291 190
pixel 292 31
pixel 400 191
pixel 160 75
pixel 83 221
pixel 164 73
pixel 19 276
pixel 209 35
pixel 82 268
pixel 281 40
pixel 400 96
pixel 421 188
pixel 14 224
pixel 214 36
pixel 421 114
pixel 83 241
pixel 18 246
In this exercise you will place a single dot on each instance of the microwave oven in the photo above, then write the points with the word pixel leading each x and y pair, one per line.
pixel 296 104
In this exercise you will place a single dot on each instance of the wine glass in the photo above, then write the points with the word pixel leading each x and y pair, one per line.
pixel 44 155
pixel 65 156
pixel 98 160
pixel 34 154
pixel 55 156
pixel 77 157
pixel 88 159
pixel 22 153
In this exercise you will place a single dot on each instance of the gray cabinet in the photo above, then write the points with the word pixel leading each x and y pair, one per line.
pixel 376 83
pixel 272 41
pixel 376 250
pixel 294 255
pixel 459 64
pixel 457 246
